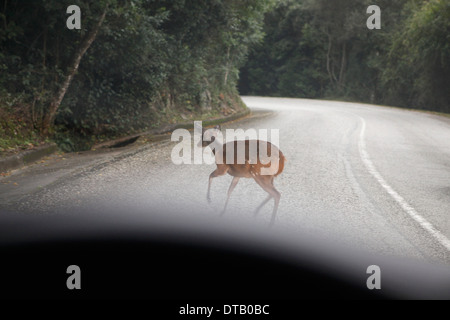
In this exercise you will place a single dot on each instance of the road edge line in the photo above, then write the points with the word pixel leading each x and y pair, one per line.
pixel 424 223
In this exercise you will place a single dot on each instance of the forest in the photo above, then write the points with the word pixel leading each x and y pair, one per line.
pixel 133 65
pixel 138 64
pixel 323 49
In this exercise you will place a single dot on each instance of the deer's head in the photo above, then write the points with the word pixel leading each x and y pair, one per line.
pixel 209 136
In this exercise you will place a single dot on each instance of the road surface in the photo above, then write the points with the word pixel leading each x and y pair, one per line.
pixel 373 177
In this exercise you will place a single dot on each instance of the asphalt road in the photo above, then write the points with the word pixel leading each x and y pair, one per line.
pixel 375 178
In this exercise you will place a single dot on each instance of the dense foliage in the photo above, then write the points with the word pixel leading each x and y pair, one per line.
pixel 150 62
pixel 323 49
pixel 138 63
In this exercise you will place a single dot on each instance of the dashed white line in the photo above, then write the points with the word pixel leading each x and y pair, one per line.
pixel 425 224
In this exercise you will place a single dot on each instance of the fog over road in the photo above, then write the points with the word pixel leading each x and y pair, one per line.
pixel 374 177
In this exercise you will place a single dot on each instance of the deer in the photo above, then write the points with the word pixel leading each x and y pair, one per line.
pixel 263 168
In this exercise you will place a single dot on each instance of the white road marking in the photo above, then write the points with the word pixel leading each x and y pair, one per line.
pixel 425 224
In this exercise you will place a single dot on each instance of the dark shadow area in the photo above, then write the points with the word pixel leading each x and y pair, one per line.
pixel 125 142
pixel 154 257
pixel 130 268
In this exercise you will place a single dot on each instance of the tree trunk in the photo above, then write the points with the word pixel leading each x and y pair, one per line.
pixel 5 24
pixel 343 64
pixel 330 62
pixel 73 67
pixel 328 58
pixel 227 68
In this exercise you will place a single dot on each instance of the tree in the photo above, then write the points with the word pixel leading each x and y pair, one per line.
pixel 417 67
pixel 323 49
pixel 134 64
pixel 71 70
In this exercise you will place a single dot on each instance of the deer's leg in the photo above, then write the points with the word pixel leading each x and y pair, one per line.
pixel 220 171
pixel 266 182
pixel 265 201
pixel 230 190
pixel 262 204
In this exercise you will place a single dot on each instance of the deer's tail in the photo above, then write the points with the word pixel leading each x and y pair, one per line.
pixel 281 162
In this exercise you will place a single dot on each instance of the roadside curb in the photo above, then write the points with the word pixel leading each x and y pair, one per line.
pixel 30 156
pixel 159 133
pixel 26 157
